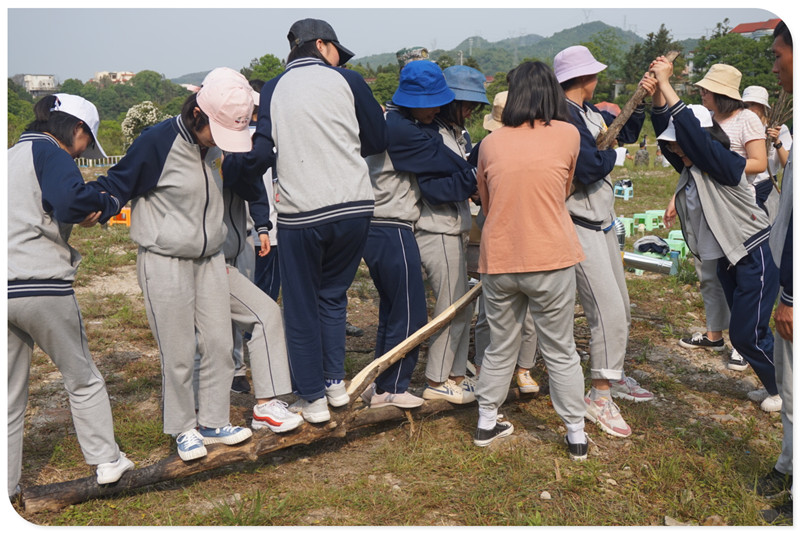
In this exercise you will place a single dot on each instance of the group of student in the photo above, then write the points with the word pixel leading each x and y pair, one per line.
pixel 390 185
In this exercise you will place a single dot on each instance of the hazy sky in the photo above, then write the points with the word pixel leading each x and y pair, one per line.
pixel 76 43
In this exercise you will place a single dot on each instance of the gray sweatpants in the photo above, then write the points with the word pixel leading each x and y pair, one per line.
pixel 783 374
pixel 254 312
pixel 55 324
pixel 550 298
pixel 444 258
pixel 527 350
pixel 246 263
pixel 718 314
pixel 183 297
pixel 604 296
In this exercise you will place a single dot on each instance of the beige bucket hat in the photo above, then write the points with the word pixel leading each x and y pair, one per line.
pixel 722 79
pixel 492 121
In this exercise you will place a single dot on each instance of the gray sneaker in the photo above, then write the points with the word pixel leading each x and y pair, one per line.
pixel 404 400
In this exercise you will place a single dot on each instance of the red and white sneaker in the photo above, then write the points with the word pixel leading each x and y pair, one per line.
pixel 629 389
pixel 275 416
pixel 605 413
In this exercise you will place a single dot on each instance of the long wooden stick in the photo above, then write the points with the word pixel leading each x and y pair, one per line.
pixel 606 140
pixel 372 370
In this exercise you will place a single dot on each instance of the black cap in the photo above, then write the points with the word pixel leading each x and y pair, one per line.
pixel 307 30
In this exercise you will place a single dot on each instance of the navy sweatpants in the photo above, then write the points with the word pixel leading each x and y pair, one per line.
pixel 393 259
pixel 267 275
pixel 751 288
pixel 318 265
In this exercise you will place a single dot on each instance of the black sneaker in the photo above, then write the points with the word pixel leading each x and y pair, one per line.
pixel 736 361
pixel 699 340
pixel 353 331
pixel 579 451
pixel 773 484
pixel 484 437
pixel 240 385
pixel 780 515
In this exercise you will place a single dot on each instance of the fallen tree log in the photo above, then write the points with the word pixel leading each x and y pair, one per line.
pixel 56 496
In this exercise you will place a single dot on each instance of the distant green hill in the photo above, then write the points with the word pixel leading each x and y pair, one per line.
pixel 503 55
pixel 195 78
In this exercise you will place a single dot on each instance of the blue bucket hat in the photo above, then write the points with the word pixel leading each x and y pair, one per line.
pixel 422 85
pixel 467 83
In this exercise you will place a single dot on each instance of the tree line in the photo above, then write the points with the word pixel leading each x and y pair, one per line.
pixel 753 57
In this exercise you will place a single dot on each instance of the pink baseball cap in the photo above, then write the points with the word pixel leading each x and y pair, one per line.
pixel 575 61
pixel 227 99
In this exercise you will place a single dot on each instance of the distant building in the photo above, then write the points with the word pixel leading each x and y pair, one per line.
pixel 36 84
pixel 756 30
pixel 115 77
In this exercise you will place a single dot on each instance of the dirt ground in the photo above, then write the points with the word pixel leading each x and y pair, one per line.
pixel 656 359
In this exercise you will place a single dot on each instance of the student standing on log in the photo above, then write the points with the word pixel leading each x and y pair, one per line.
pixel 46 197
pixel 172 173
pixel 256 317
pixel 600 277
pixel 391 252
pixel 442 233
pixel 316 124
pixel 525 173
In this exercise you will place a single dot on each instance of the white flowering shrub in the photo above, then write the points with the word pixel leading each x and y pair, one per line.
pixel 138 118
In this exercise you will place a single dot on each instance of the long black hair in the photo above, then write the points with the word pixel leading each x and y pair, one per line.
pixel 533 94
pixel 57 123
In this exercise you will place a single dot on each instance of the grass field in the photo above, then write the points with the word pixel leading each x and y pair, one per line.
pixel 694 451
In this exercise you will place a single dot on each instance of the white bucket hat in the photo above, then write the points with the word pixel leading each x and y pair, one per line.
pixel 86 112
pixel 757 95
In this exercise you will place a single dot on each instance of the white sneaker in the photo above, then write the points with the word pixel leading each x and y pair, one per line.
pixel 772 404
pixel 450 391
pixel 758 395
pixel 275 416
pixel 337 394
pixel 314 412
pixel 190 445
pixel 111 472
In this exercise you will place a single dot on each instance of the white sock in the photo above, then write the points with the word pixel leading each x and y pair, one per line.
pixel 487 418
pixel 575 433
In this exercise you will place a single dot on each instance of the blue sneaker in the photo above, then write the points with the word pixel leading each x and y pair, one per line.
pixel 190 445
pixel 226 435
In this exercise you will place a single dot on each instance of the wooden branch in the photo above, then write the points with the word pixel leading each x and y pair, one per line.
pixel 373 370
pixel 606 140
pixel 56 496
